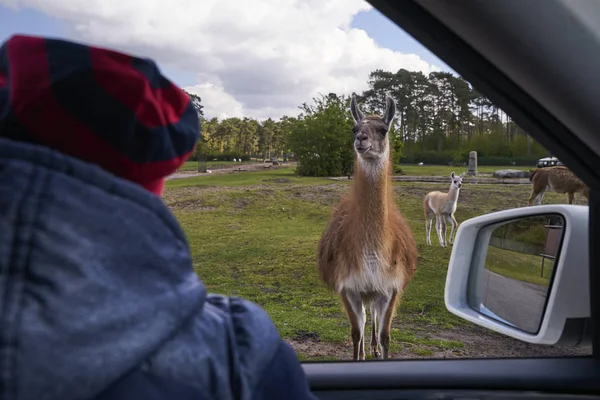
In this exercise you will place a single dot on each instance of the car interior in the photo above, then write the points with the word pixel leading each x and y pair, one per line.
pixel 537 60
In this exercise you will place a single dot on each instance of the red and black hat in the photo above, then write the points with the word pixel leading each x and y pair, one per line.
pixel 98 105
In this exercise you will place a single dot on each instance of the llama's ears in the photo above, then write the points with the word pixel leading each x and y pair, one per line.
pixel 390 110
pixel 452 175
pixel 355 110
pixel 462 175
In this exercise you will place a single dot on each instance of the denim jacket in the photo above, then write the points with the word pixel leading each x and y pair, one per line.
pixel 99 300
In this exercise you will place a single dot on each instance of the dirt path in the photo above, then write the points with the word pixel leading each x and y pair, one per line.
pixel 259 166
pixel 502 293
pixel 250 167
pixel 481 179
pixel 478 343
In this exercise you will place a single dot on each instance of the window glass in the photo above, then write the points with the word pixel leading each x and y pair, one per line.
pixel 273 82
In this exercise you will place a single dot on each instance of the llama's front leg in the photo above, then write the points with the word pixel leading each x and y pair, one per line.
pixel 357 316
pixel 428 223
pixel 533 196
pixel 571 197
pixel 438 229
pixel 374 342
pixel 452 221
pixel 540 197
pixel 443 230
pixel 386 305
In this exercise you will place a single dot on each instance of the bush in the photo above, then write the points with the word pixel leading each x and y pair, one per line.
pixel 518 161
pixel 322 139
pixel 430 157
pixel 462 156
pixel 397 170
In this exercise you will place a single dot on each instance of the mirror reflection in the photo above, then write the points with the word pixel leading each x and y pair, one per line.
pixel 514 284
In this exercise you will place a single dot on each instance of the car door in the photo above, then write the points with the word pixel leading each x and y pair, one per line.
pixel 538 60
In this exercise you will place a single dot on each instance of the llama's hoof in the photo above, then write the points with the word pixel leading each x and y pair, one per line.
pixel 376 355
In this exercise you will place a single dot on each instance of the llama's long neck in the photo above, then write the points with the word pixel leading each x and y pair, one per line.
pixel 372 191
pixel 453 194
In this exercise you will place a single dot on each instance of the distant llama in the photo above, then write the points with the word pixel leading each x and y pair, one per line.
pixel 442 206
pixel 367 253
pixel 559 179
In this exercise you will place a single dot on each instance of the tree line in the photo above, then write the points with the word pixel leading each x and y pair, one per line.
pixel 440 119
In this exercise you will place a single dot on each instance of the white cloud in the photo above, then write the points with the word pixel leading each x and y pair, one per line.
pixel 255 58
pixel 216 102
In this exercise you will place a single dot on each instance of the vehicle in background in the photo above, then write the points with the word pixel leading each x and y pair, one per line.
pixel 548 162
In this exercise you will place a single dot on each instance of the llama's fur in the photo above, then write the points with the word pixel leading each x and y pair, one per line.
pixel 442 206
pixel 367 253
pixel 559 179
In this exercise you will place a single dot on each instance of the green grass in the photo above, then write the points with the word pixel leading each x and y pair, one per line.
pixel 285 174
pixel 408 169
pixel 255 235
pixel 520 266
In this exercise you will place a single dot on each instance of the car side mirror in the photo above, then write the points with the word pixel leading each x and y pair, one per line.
pixel 524 272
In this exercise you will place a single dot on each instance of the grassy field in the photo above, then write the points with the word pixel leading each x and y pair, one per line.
pixel 408 169
pixel 255 235
pixel 441 170
pixel 520 266
pixel 193 165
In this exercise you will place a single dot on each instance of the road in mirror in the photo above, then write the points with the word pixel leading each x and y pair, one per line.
pixel 514 284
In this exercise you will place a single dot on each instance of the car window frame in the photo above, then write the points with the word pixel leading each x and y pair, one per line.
pixel 576 374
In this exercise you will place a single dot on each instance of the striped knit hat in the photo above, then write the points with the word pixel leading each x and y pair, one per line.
pixel 98 105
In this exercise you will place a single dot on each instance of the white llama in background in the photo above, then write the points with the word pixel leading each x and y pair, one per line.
pixel 442 206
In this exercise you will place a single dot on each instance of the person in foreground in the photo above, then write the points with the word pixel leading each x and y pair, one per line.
pixel 99 299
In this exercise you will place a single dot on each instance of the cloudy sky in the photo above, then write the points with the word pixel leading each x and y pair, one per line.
pixel 255 58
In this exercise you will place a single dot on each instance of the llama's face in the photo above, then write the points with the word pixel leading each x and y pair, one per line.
pixel 371 132
pixel 456 180
pixel 370 137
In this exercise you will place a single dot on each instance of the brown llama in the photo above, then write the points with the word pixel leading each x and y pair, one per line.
pixel 559 179
pixel 367 253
